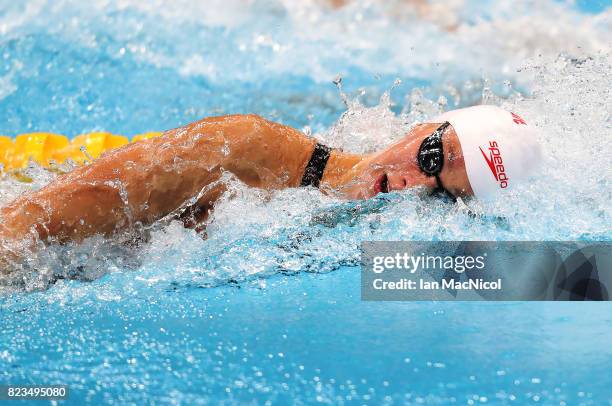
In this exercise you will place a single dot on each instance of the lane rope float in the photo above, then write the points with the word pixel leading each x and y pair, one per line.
pixel 47 149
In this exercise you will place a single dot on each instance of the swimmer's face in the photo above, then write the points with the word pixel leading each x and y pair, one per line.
pixel 397 168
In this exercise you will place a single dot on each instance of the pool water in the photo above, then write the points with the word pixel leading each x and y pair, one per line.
pixel 267 308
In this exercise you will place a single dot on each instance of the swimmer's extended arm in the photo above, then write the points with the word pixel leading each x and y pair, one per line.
pixel 147 180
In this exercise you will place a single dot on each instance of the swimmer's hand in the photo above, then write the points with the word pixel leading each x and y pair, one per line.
pixel 11 256
pixel 17 239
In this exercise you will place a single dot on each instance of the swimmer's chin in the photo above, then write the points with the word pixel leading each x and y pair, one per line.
pixel 360 193
pixel 369 187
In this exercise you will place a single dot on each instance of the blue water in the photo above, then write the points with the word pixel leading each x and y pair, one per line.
pixel 268 307
pixel 304 338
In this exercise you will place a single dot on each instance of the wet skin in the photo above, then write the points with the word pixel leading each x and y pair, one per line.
pixel 181 175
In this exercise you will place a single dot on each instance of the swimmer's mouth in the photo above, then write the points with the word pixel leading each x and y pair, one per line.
pixel 382 184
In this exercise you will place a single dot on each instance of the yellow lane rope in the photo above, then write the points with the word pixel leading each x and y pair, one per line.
pixel 48 148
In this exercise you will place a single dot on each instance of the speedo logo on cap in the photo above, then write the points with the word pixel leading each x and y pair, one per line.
pixel 517 119
pixel 496 164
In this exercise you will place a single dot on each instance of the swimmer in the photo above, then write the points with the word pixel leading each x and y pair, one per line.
pixel 480 152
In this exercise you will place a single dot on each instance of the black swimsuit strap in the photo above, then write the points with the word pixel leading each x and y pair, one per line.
pixel 316 166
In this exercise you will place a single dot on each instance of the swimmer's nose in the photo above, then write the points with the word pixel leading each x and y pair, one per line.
pixel 417 180
pixel 397 182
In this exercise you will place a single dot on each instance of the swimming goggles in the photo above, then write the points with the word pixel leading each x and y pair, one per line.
pixel 431 158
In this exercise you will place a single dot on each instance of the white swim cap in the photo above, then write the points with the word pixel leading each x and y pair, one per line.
pixel 499 148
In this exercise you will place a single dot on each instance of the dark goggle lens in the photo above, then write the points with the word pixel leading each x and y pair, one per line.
pixel 431 155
